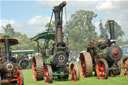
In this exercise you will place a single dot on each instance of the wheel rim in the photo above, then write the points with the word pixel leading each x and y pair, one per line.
pixel 101 69
pixel 34 74
pixel 82 66
pixel 125 64
pixel 19 82
pixel 37 68
pixel 24 64
pixel 73 72
pixel 85 64
pixel 46 74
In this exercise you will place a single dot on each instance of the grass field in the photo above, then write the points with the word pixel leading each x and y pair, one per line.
pixel 118 80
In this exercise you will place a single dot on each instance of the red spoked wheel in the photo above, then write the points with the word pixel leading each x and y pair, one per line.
pixel 75 74
pixel 102 69
pixel 125 65
pixel 48 74
pixel 20 78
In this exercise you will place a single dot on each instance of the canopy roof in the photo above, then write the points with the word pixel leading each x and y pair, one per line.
pixel 44 35
pixel 22 51
pixel 11 41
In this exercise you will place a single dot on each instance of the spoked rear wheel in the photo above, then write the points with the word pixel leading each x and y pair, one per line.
pixel 75 74
pixel 125 64
pixel 102 69
pixel 48 74
pixel 85 64
pixel 37 68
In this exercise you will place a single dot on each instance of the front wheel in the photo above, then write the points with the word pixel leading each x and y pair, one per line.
pixel 48 74
pixel 102 69
pixel 75 73
pixel 20 79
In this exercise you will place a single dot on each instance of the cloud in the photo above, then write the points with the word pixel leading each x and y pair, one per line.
pixel 37 24
pixel 103 5
pixel 71 3
pixel 119 13
pixel 18 27
pixel 39 20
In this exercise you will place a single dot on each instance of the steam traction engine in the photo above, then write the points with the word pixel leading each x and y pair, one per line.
pixel 105 58
pixel 9 71
pixel 53 61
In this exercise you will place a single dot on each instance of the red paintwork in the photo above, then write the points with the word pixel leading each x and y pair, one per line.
pixel 15 74
pixel 72 75
pixel 115 49
pixel 82 65
pixel 11 41
pixel 46 74
pixel 100 69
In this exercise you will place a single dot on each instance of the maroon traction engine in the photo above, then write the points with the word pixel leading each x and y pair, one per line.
pixel 9 71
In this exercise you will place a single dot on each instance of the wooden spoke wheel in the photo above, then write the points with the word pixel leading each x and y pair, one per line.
pixel 85 64
pixel 48 74
pixel 24 64
pixel 20 78
pixel 75 74
pixel 125 64
pixel 37 68
pixel 102 69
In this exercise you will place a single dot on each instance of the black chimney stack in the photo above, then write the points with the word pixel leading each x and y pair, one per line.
pixel 7 46
pixel 112 29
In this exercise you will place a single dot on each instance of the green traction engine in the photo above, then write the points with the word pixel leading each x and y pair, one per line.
pixel 53 61
pixel 23 58
pixel 9 71
pixel 104 57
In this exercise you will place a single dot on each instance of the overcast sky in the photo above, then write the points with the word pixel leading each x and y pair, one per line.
pixel 30 16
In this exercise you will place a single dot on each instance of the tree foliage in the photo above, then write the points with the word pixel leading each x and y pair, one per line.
pixel 103 31
pixel 24 42
pixel 80 29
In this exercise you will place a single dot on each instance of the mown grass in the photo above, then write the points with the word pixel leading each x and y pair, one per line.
pixel 118 80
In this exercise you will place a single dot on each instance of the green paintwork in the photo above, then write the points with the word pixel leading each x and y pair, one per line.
pixel 22 51
pixel 46 56
pixel 114 68
pixel 44 35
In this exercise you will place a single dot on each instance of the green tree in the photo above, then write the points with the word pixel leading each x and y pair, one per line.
pixel 80 29
pixel 24 42
pixel 9 30
pixel 50 26
pixel 103 31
